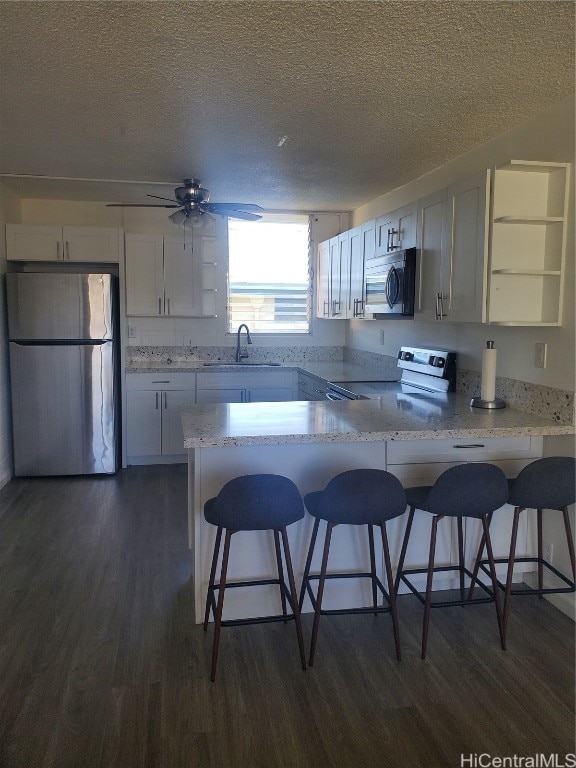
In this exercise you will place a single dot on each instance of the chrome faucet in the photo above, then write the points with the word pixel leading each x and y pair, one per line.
pixel 241 355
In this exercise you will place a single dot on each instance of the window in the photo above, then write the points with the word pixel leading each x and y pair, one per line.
pixel 269 274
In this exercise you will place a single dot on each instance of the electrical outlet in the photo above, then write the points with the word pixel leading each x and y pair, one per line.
pixel 131 331
pixel 547 551
pixel 540 354
pixel 382 336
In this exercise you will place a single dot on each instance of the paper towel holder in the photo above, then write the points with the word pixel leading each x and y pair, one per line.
pixel 497 402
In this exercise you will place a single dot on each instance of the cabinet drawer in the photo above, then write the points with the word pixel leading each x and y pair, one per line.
pixel 168 381
pixel 463 449
pixel 244 379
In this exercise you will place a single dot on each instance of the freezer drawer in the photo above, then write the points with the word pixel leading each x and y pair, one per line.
pixel 63 409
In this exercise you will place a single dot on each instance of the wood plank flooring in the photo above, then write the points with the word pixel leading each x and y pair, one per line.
pixel 101 664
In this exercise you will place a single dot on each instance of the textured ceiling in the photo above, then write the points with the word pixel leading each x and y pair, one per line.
pixel 295 105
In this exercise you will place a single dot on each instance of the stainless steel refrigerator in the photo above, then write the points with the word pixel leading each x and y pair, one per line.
pixel 63 358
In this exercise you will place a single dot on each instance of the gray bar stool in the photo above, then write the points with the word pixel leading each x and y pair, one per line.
pixel 253 503
pixel 548 483
pixel 464 491
pixel 358 497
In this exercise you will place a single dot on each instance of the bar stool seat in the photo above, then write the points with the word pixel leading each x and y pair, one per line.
pixel 548 483
pixel 464 491
pixel 263 502
pixel 368 497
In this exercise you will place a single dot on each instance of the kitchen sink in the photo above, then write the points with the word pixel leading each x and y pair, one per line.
pixel 240 365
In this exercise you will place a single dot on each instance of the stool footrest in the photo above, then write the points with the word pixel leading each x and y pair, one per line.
pixel 533 590
pixel 447 603
pixel 253 620
pixel 346 611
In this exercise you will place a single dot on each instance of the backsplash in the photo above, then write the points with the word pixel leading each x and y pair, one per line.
pixel 386 365
pixel 548 402
pixel 228 354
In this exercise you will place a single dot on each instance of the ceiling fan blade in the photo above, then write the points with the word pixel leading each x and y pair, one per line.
pixel 219 207
pixel 140 205
pixel 240 215
pixel 157 197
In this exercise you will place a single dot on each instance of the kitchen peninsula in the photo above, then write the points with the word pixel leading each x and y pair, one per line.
pixel 415 438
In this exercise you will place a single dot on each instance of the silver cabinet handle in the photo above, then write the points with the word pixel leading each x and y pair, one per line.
pixel 58 251
pixel 437 306
pixel 334 303
pixel 165 401
pixel 168 306
pixel 159 305
pixel 67 250
pixel 325 308
pixel 472 445
pixel 156 400
pixel 442 313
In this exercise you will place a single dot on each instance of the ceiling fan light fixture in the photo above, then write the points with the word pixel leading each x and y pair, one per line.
pixel 178 217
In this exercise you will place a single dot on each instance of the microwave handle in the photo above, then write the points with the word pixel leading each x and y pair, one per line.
pixel 393 272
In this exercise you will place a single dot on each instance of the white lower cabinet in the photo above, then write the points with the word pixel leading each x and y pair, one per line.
pixel 246 387
pixel 153 425
pixel 421 462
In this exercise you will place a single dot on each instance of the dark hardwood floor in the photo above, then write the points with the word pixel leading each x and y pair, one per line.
pixel 101 663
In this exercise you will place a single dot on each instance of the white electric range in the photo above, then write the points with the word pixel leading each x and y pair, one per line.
pixel 427 373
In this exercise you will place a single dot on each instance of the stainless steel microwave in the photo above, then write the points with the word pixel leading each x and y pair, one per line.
pixel 390 284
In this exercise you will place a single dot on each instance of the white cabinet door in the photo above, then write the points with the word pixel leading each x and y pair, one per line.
pixel 466 244
pixel 429 255
pixel 144 275
pixel 337 275
pixel 355 298
pixel 405 225
pixel 182 278
pixel 221 395
pixel 93 244
pixel 143 423
pixel 323 280
pixel 30 243
pixel 172 435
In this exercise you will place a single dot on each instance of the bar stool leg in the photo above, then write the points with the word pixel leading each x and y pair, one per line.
pixel 540 552
pixel 508 590
pixel 570 541
pixel 478 559
pixel 280 571
pixel 429 578
pixel 320 593
pixel 220 604
pixel 494 583
pixel 373 568
pixel 212 577
pixel 308 562
pixel 294 596
pixel 403 550
pixel 391 592
pixel 460 556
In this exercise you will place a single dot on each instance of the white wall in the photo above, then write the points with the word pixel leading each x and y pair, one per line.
pixel 549 136
pixel 9 210
pixel 153 331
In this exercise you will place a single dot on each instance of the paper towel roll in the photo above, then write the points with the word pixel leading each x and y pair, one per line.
pixel 488 390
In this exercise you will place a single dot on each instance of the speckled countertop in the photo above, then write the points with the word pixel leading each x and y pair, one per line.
pixel 332 371
pixel 390 417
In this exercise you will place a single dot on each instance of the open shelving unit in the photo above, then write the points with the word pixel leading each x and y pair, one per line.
pixel 527 243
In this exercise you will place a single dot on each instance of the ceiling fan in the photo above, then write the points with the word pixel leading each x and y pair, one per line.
pixel 193 206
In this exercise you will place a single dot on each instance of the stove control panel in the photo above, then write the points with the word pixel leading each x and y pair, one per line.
pixel 429 362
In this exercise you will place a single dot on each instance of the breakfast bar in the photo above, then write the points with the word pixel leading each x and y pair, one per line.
pixel 414 437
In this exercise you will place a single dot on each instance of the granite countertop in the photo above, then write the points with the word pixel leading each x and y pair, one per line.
pixel 390 417
pixel 331 371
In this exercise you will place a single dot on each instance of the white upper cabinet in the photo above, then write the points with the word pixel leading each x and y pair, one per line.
pixel 528 243
pixel 452 246
pixel 165 278
pixel 26 242
pixel 396 230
